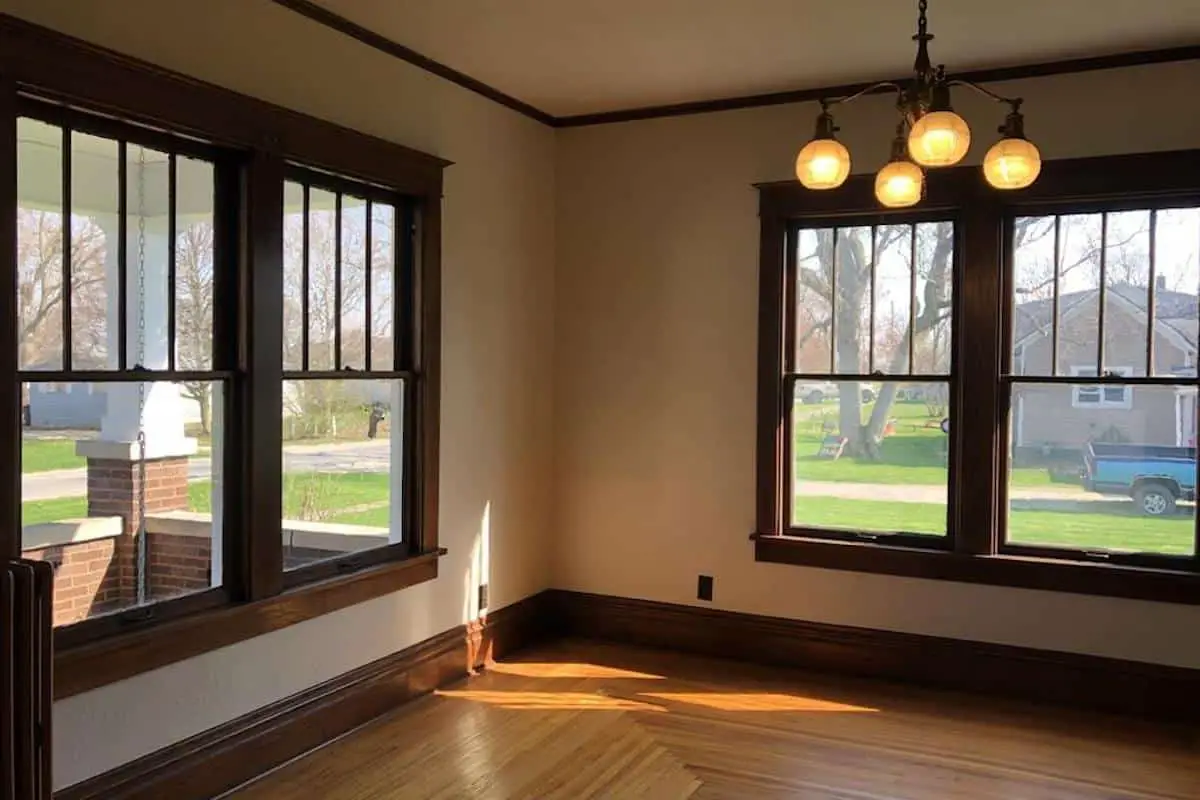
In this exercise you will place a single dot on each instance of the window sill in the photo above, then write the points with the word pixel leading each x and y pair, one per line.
pixel 155 644
pixel 1045 574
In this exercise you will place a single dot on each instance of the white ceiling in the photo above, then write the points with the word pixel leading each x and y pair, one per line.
pixel 570 57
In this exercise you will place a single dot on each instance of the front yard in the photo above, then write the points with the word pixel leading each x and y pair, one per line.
pixel 914 455
pixel 353 498
pixel 1122 529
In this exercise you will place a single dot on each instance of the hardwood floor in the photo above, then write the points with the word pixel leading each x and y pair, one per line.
pixel 587 720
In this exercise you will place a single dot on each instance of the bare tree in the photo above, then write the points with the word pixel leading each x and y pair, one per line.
pixel 40 287
pixel 194 312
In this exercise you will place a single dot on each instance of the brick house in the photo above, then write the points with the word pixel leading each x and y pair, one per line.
pixel 1066 417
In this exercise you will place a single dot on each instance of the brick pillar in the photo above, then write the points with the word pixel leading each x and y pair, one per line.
pixel 114 486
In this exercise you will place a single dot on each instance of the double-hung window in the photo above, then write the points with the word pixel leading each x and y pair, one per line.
pixel 220 344
pixel 997 387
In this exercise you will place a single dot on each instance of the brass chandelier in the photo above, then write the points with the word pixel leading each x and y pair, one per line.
pixel 929 135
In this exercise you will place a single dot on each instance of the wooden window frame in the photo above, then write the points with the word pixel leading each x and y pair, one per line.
pixel 976 553
pixel 258 144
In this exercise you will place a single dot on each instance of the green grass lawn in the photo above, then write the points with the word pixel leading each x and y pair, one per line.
pixel 42 455
pixel 1123 529
pixel 303 492
pixel 913 454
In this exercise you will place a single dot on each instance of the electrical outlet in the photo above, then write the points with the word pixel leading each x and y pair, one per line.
pixel 704 588
pixel 483 596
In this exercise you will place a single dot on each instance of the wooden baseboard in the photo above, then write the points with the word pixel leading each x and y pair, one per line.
pixel 239 751
pixel 1089 682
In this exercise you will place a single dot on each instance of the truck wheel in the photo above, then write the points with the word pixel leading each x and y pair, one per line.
pixel 1154 500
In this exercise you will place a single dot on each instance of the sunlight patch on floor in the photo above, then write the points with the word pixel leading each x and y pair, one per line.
pixel 549 701
pixel 568 670
pixel 729 701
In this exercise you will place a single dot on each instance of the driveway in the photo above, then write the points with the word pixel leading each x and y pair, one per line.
pixel 345 457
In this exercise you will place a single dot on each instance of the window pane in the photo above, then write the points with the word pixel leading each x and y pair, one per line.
pixel 342 462
pixel 932 352
pixel 383 264
pixel 82 492
pixel 1177 284
pixel 148 251
pixel 851 252
pixel 95 203
pixel 1033 283
pixel 1079 295
pixel 322 282
pixel 893 298
pixel 871 457
pixel 1116 472
pixel 194 186
pixel 814 301
pixel 1127 292
pixel 354 277
pixel 39 245
pixel 293 276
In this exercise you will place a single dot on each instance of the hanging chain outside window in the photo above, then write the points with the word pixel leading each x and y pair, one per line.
pixel 142 545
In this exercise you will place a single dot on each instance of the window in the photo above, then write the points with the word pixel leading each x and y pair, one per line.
pixel 1095 396
pixel 348 378
pixel 1042 433
pixel 220 394
pixel 871 376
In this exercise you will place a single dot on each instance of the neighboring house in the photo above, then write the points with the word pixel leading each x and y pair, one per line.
pixel 78 406
pixel 1051 417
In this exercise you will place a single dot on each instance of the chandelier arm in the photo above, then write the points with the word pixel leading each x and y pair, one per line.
pixel 872 89
pixel 1015 102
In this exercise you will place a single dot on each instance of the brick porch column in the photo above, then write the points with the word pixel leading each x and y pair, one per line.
pixel 114 490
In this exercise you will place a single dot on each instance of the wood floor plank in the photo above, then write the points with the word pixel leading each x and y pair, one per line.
pixel 585 720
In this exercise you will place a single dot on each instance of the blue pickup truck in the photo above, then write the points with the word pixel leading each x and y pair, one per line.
pixel 1156 477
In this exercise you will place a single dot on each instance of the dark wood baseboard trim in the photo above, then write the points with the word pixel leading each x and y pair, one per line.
pixel 1082 681
pixel 243 749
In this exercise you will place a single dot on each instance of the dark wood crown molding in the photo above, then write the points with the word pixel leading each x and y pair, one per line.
pixel 323 16
pixel 336 22
pixel 994 75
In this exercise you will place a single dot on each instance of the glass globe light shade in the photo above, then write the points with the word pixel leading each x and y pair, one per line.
pixel 899 184
pixel 823 164
pixel 1012 164
pixel 939 139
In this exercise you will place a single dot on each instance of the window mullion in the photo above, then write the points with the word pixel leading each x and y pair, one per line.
pixel 253 543
pixel 981 397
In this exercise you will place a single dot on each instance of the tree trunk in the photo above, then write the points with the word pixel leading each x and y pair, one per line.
pixel 205 412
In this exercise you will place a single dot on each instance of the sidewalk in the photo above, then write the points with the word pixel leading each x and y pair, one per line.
pixel 915 493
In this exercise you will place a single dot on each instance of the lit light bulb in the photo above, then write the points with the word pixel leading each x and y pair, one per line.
pixel 1012 164
pixel 899 184
pixel 939 139
pixel 823 164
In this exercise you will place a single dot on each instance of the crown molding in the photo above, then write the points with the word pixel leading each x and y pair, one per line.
pixel 336 22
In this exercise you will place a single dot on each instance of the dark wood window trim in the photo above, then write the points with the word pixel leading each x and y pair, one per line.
pixel 976 554
pixel 257 144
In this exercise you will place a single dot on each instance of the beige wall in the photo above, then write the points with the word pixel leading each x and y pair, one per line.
pixel 498 329
pixel 655 368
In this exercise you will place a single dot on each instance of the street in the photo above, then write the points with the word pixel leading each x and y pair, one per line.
pixel 341 457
